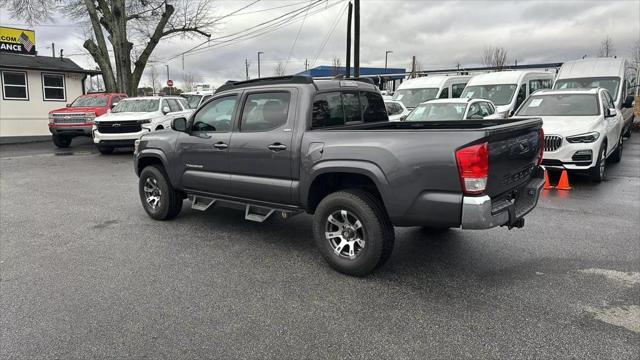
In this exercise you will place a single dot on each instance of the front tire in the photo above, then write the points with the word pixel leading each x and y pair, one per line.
pixel 61 141
pixel 159 199
pixel 617 153
pixel 596 173
pixel 353 232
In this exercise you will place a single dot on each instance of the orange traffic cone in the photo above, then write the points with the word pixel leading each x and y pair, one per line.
pixel 547 184
pixel 563 184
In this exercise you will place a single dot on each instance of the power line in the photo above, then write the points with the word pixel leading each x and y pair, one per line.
pixel 332 29
pixel 296 39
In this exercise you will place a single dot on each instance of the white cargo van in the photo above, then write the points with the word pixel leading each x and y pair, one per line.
pixel 609 73
pixel 507 89
pixel 414 91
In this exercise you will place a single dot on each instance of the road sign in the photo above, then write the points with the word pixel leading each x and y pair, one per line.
pixel 169 83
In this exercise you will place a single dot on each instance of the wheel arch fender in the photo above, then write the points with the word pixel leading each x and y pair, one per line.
pixel 356 167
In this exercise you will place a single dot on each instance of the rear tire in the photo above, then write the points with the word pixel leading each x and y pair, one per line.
pixel 159 199
pixel 105 150
pixel 596 173
pixel 616 156
pixel 61 141
pixel 366 223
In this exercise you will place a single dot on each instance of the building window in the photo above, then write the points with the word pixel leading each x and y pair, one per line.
pixel 14 85
pixel 53 87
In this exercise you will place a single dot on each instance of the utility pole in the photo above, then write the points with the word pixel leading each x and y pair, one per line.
pixel 168 78
pixel 348 65
pixel 356 40
pixel 386 54
pixel 259 53
pixel 246 68
pixel 413 66
pixel 306 64
pixel 53 49
pixel 182 62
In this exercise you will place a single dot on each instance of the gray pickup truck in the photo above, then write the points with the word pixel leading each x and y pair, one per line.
pixel 291 144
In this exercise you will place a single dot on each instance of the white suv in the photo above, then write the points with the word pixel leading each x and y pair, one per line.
pixel 583 130
pixel 132 117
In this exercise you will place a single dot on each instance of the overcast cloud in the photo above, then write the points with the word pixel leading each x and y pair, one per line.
pixel 439 33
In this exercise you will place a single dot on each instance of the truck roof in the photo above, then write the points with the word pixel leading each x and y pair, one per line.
pixel 594 67
pixel 590 91
pixel 433 81
pixel 320 84
pixel 504 77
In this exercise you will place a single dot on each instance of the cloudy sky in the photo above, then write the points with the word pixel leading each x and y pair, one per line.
pixel 439 33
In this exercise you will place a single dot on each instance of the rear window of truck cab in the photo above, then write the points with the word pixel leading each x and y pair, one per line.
pixel 346 108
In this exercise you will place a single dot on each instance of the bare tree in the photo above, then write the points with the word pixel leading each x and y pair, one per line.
pixel 123 23
pixel 336 64
pixel 155 82
pixel 606 47
pixel 188 81
pixel 494 56
pixel 278 70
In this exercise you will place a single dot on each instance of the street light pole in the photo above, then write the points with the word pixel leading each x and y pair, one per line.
pixel 259 53
pixel 386 54
pixel 168 78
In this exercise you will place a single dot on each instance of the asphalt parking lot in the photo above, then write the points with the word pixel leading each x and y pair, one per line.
pixel 85 273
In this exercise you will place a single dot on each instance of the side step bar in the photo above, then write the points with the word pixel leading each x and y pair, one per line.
pixel 251 212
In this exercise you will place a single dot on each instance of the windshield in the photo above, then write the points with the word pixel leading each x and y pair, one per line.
pixel 560 105
pixel 437 112
pixel 137 105
pixel 90 101
pixel 192 100
pixel 500 94
pixel 609 83
pixel 412 97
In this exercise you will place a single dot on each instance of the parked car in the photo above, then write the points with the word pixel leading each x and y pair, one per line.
pixel 76 119
pixel 414 91
pixel 395 110
pixel 583 130
pixel 133 117
pixel 326 147
pixel 453 109
pixel 610 73
pixel 196 98
pixel 507 89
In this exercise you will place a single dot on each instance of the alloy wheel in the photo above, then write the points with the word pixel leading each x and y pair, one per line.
pixel 345 234
pixel 152 192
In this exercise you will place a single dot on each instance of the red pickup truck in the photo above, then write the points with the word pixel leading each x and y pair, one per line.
pixel 76 119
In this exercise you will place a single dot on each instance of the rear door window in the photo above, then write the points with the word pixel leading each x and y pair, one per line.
pixel 327 110
pixel 265 111
pixel 173 105
pixel 373 108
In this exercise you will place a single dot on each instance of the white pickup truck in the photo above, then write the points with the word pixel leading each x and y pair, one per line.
pixel 132 117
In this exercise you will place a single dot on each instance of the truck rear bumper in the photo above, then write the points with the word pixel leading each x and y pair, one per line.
pixel 482 212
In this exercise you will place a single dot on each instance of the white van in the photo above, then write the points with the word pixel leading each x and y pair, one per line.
pixel 507 89
pixel 609 73
pixel 414 91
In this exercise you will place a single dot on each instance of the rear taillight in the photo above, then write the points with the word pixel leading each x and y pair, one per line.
pixel 541 147
pixel 473 165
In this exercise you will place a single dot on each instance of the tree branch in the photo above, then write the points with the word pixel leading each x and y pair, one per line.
pixel 185 29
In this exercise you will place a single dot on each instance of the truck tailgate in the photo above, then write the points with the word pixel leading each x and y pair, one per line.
pixel 514 152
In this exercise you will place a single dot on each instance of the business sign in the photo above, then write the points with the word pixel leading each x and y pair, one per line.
pixel 17 41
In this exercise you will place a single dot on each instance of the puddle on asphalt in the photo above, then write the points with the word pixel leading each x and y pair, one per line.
pixel 628 279
pixel 67 153
pixel 626 316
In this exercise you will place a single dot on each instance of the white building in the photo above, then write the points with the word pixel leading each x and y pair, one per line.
pixel 30 87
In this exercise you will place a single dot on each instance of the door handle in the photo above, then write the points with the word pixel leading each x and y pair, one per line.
pixel 277 147
pixel 220 145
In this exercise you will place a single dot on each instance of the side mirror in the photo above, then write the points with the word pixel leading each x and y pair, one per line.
pixel 166 110
pixel 628 102
pixel 68 105
pixel 610 112
pixel 179 124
